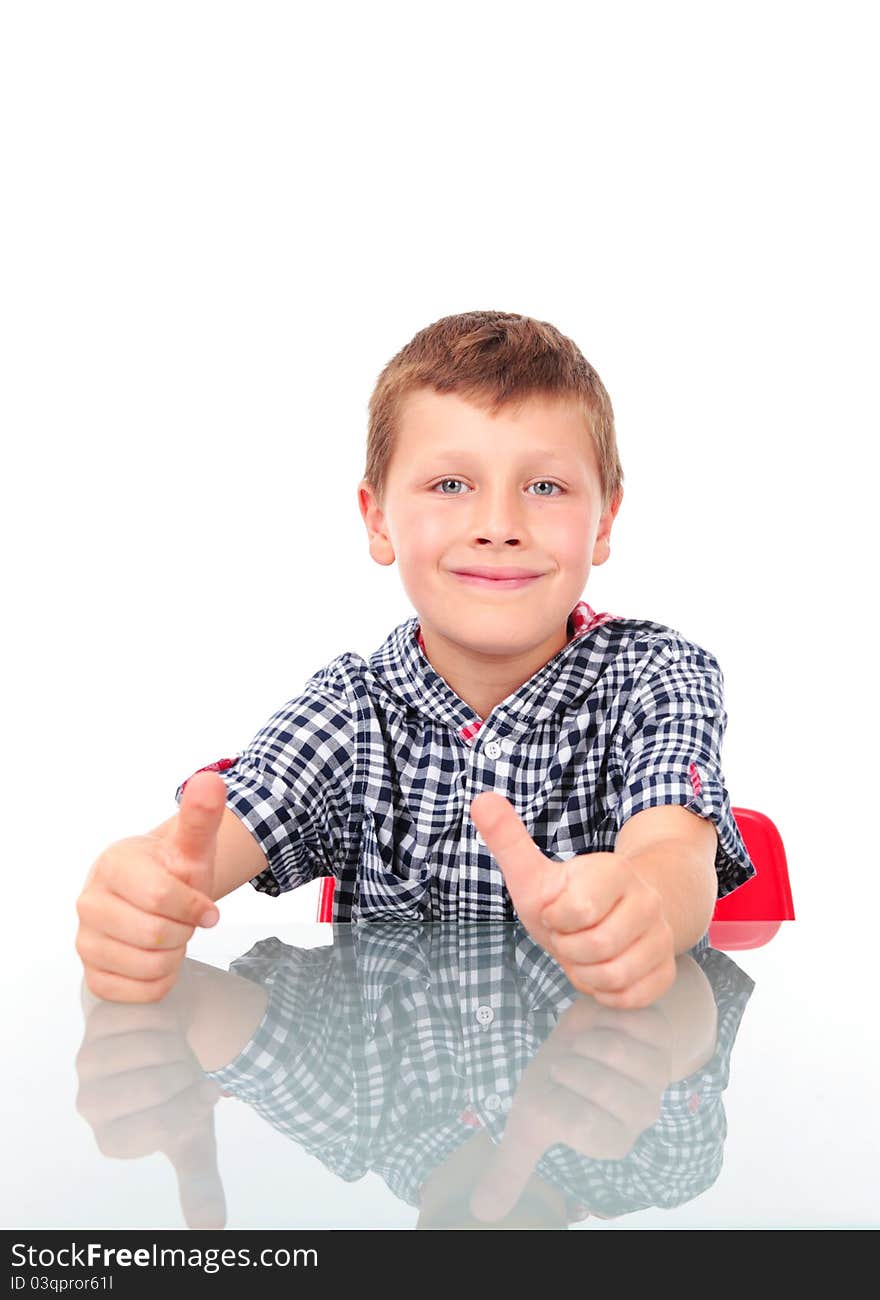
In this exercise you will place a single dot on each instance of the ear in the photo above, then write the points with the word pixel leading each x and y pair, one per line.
pixel 602 546
pixel 381 547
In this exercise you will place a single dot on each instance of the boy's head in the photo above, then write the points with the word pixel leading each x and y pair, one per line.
pixel 491 444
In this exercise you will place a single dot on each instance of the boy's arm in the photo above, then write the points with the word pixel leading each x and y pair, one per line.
pixel 673 850
pixel 238 859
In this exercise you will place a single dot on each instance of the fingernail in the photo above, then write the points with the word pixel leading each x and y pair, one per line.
pixel 209 917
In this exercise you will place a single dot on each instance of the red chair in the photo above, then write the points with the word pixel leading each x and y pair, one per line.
pixel 747 918
pixel 751 915
pixel 325 898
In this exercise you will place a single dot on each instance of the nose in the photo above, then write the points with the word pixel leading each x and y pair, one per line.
pixel 498 518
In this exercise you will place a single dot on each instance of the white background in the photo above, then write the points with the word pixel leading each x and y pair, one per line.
pixel 221 220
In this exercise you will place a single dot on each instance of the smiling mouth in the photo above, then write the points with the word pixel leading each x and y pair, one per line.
pixel 496 584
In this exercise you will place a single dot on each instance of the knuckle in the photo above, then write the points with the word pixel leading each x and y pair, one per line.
pixel 106 868
pixel 158 933
pixel 156 893
pixel 85 945
pixel 164 985
pixel 618 975
pixel 603 1092
pixel 86 907
pixel 623 995
pixel 583 1133
pixel 603 947
pixel 98 982
pixel 97 869
pixel 158 965
pixel 632 998
pixel 199 904
pixel 106 1145
pixel 648 1114
pixel 581 898
pixel 165 893
pixel 654 911
pixel 578 979
pixel 616 1055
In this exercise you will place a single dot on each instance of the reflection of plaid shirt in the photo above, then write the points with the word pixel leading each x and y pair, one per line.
pixel 385 1051
pixel 368 774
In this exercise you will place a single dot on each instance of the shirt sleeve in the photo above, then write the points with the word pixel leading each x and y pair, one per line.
pixel 291 786
pixel 669 750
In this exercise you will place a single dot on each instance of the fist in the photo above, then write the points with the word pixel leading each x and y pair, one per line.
pixel 595 1085
pixel 144 897
pixel 141 1089
pixel 604 925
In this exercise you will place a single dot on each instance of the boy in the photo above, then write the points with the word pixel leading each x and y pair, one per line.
pixel 508 752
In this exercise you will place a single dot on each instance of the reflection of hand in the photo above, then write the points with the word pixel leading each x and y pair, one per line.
pixel 595 1085
pixel 593 913
pixel 142 1090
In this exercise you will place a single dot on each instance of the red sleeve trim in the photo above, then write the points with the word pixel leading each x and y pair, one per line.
pixel 220 766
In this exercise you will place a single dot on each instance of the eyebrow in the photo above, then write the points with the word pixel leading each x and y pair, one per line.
pixel 538 453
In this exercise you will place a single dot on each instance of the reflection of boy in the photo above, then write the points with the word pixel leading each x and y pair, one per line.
pixel 378 1055
pixel 491 448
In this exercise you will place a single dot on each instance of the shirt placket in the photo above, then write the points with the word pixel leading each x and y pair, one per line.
pixel 481 894
pixel 489 745
pixel 484 993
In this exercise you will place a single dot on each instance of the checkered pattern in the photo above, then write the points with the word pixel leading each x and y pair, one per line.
pixel 379 1054
pixel 368 774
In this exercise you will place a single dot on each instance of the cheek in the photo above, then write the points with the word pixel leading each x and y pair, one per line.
pixel 570 536
pixel 425 531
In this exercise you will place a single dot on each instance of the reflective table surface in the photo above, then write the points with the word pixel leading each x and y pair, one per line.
pixel 397 1076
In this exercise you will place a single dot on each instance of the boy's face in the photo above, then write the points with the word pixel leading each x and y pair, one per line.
pixel 466 489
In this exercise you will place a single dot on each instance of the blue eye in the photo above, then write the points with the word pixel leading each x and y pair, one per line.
pixel 540 483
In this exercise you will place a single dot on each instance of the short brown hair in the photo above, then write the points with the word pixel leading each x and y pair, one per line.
pixel 492 359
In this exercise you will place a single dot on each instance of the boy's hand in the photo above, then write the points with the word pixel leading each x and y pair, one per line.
pixel 142 1090
pixel 145 895
pixel 595 1085
pixel 594 914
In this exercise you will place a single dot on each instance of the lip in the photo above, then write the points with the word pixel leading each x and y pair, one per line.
pixel 500 579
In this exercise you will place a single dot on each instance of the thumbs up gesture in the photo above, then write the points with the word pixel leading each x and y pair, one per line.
pixel 145 895
pixel 604 925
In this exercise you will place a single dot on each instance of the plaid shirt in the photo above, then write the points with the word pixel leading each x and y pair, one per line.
pixel 368 774
pixel 388 1050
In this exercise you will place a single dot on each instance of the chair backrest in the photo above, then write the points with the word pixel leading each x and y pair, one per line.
pixel 751 915
pixel 747 918
pixel 325 898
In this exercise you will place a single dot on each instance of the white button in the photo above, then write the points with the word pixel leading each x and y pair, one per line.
pixel 485 1015
pixel 493 749
pixel 492 1102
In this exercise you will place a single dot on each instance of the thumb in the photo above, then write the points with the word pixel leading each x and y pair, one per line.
pixel 194 839
pixel 531 877
pixel 198 1178
pixel 508 1170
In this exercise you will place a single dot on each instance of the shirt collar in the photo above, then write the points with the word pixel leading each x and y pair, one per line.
pixel 402 664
